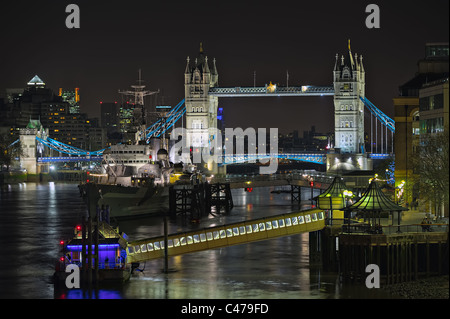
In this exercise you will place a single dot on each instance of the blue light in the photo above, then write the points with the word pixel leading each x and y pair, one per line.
pixel 100 246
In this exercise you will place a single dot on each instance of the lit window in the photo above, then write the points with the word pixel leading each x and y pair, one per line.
pixel 288 222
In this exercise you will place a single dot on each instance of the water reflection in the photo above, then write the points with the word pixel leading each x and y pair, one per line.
pixel 89 294
pixel 35 217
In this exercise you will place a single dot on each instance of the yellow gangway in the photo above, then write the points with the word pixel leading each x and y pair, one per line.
pixel 227 235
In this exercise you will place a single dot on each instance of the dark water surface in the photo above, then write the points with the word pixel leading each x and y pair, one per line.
pixel 35 217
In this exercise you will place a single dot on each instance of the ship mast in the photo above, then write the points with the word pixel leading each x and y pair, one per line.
pixel 138 93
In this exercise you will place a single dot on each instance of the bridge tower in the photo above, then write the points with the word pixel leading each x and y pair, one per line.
pixel 201 108
pixel 30 147
pixel 349 85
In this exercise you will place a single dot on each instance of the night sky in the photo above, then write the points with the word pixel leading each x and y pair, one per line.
pixel 269 37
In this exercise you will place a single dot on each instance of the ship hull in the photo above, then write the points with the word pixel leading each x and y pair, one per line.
pixel 126 202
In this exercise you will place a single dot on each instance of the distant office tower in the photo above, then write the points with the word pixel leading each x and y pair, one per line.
pixel 72 97
pixel 109 116
pixel 59 113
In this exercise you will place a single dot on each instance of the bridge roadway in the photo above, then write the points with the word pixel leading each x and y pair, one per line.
pixel 305 90
pixel 320 181
pixel 227 235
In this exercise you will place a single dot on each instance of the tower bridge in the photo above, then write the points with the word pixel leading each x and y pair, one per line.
pixel 200 108
pixel 202 93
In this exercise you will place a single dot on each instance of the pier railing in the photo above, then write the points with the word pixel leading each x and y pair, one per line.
pixel 295 176
pixel 364 228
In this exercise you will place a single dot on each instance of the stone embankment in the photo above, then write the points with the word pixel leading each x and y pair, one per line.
pixel 426 288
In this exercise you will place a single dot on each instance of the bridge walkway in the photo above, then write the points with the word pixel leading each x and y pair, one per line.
pixel 227 235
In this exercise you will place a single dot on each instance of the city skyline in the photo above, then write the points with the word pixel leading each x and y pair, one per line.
pixel 113 42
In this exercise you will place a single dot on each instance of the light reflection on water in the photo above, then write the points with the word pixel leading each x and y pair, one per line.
pixel 35 217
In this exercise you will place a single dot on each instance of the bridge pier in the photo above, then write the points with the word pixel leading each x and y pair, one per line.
pixel 198 200
pixel 315 247
pixel 187 201
pixel 296 194
pixel 330 248
pixel 218 195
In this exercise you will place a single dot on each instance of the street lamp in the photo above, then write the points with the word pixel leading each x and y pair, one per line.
pixel 347 194
pixel 400 188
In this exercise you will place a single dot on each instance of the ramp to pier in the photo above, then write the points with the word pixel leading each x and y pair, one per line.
pixel 227 235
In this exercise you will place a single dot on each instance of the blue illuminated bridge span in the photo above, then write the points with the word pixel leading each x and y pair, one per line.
pixel 226 235
pixel 320 158
pixel 163 125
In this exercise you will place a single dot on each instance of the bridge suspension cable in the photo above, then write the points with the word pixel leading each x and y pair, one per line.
pixel 160 127
pixel 67 149
pixel 163 124
pixel 386 121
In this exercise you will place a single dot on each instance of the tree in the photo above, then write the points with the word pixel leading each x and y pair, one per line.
pixel 385 170
pixel 10 148
pixel 432 168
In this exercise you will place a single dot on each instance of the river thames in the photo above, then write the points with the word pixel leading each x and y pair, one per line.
pixel 34 217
